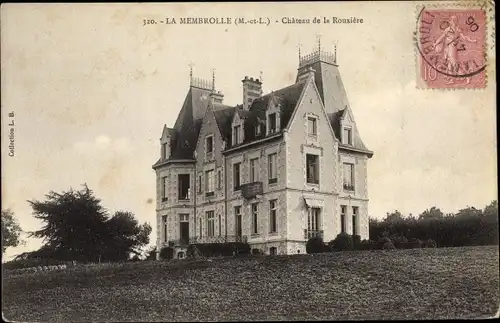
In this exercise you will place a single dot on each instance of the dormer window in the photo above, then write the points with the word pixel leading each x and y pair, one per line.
pixel 312 126
pixel 271 119
pixel 164 151
pixel 236 135
pixel 347 136
pixel 257 129
pixel 209 147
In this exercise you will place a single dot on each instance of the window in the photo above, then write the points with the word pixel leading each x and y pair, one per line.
pixel 273 251
pixel 201 227
pixel 164 150
pixel 184 227
pixel 255 215
pixel 220 228
pixel 219 179
pixel 236 176
pixel 347 136
pixel 257 129
pixel 272 216
pixel 209 146
pixel 210 224
pixel 199 184
pixel 313 219
pixel 354 220
pixel 184 191
pixel 343 209
pixel 312 168
pixel 209 182
pixel 236 134
pixel 254 172
pixel 165 228
pixel 311 126
pixel 348 177
pixel 164 188
pixel 237 215
pixel 272 123
pixel 272 168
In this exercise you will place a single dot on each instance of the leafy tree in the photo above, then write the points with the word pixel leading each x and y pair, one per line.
pixel 395 216
pixel 491 209
pixel 10 230
pixel 125 236
pixel 432 213
pixel 77 227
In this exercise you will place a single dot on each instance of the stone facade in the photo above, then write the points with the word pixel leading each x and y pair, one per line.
pixel 309 146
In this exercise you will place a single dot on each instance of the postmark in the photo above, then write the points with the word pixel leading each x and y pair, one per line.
pixel 451 48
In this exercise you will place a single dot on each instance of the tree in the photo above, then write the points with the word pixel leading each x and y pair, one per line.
pixel 77 227
pixel 125 236
pixel 491 209
pixel 10 230
pixel 395 216
pixel 432 213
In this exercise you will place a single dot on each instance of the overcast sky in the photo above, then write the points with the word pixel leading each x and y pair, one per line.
pixel 91 89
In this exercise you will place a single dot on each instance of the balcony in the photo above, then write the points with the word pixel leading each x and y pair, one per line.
pixel 218 239
pixel 251 190
pixel 348 187
pixel 308 234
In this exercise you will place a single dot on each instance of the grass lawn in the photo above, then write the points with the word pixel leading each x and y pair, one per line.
pixel 393 284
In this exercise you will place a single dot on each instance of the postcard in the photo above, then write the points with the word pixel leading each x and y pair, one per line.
pixel 249 161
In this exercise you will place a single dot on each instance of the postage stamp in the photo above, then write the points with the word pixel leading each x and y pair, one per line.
pixel 451 44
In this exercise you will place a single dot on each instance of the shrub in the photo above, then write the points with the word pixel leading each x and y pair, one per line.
pixel 343 241
pixel 385 243
pixel 399 241
pixel 166 253
pixel 388 245
pixel 367 245
pixel 430 244
pixel 315 245
pixel 356 241
pixel 257 252
pixel 414 243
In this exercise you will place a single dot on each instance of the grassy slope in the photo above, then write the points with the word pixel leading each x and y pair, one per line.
pixel 413 284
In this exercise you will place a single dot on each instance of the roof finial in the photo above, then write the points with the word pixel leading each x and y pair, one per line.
pixel 213 79
pixel 319 43
pixel 261 75
pixel 300 56
pixel 335 53
pixel 190 73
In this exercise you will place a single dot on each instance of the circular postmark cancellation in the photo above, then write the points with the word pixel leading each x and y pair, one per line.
pixel 452 47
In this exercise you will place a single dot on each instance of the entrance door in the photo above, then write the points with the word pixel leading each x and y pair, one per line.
pixel 237 221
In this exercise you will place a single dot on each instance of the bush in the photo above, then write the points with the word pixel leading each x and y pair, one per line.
pixel 388 245
pixel 342 242
pixel 430 244
pixel 166 253
pixel 382 241
pixel 414 243
pixel 367 245
pixel 399 241
pixel 356 241
pixel 222 249
pixel 315 245
pixel 257 252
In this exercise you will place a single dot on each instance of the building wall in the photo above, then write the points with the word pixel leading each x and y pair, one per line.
pixel 270 192
pixel 298 144
pixel 359 197
pixel 172 207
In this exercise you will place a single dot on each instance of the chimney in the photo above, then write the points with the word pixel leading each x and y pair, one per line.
pixel 305 73
pixel 252 89
pixel 216 97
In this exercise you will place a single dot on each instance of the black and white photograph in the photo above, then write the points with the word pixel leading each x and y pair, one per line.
pixel 213 162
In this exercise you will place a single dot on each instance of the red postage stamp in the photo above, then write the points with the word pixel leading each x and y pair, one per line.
pixel 451 47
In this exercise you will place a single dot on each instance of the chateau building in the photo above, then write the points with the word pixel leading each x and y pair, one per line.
pixel 274 171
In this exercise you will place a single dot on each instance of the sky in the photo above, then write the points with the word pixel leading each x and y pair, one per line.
pixel 91 89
